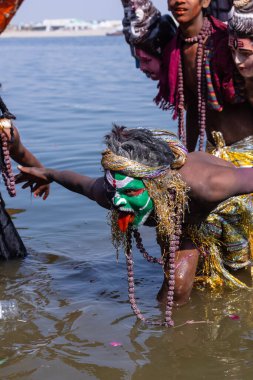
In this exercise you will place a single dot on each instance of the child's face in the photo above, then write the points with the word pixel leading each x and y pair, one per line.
pixel 186 11
pixel 149 64
pixel 242 51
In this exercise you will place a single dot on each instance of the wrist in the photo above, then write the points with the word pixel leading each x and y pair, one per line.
pixel 50 175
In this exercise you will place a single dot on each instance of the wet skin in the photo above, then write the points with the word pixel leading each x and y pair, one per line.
pixel 210 179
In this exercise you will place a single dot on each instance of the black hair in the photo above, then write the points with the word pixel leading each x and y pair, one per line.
pixel 139 144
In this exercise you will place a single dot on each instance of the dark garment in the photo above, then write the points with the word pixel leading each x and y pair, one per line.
pixel 11 245
pixel 220 8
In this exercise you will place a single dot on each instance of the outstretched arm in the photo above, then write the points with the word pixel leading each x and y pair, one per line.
pixel 92 188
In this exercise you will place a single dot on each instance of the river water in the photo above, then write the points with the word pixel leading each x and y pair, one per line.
pixel 71 291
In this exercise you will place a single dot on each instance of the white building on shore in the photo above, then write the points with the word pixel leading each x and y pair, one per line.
pixel 76 24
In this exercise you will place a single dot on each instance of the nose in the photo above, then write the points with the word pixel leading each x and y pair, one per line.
pixel 238 58
pixel 118 201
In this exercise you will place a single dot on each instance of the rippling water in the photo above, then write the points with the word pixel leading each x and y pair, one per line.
pixel 71 292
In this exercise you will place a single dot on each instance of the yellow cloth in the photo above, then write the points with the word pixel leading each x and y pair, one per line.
pixel 240 153
pixel 226 237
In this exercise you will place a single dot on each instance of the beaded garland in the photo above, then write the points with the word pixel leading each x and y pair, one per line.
pixel 201 83
pixel 5 161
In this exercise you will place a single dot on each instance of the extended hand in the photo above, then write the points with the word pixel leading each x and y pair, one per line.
pixel 35 178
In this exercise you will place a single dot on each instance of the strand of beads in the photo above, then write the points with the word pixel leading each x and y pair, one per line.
pixel 7 173
pixel 131 292
pixel 181 129
pixel 201 83
pixel 143 251
pixel 169 262
pixel 130 275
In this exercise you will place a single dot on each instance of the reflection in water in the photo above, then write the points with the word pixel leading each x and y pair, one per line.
pixel 68 317
pixel 14 211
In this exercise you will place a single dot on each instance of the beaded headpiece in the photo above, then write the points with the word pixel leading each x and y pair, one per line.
pixel 169 194
pixel 240 20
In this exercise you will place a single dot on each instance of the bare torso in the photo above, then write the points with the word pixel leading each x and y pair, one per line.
pixel 199 204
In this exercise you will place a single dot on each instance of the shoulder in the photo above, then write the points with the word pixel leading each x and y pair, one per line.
pixel 219 36
pixel 200 173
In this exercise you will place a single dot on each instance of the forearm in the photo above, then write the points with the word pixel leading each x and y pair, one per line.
pixel 92 188
pixel 26 158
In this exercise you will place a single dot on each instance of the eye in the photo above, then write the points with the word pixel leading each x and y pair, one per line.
pixel 246 53
pixel 133 192
pixel 146 60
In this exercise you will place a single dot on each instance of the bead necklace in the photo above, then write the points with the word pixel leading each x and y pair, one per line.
pixel 6 168
pixel 201 84
pixel 168 249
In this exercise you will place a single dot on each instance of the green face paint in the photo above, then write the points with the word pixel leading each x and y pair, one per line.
pixel 131 197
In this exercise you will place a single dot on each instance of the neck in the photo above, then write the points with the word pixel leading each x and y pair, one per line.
pixel 193 27
pixel 249 89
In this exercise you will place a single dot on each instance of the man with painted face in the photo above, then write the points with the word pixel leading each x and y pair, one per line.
pixel 151 179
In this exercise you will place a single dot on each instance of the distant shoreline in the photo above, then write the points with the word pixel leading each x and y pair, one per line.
pixel 57 33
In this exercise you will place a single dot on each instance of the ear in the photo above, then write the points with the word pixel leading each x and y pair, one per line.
pixel 206 3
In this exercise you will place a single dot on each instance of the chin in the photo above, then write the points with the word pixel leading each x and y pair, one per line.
pixel 181 19
pixel 244 73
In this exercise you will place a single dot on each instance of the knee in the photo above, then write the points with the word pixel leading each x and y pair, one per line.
pixel 183 288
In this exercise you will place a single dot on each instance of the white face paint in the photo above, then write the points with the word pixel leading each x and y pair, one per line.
pixel 242 51
pixel 130 197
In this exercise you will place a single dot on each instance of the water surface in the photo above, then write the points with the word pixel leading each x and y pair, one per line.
pixel 71 292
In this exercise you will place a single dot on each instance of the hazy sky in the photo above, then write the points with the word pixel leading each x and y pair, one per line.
pixel 38 10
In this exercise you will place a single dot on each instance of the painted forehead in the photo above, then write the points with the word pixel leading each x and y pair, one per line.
pixel 240 43
pixel 119 181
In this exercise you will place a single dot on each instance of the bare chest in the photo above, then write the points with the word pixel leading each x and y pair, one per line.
pixel 189 54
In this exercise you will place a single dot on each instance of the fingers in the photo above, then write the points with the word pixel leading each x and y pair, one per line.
pixel 23 169
pixel 41 191
pixel 28 184
pixel 46 194
pixel 19 178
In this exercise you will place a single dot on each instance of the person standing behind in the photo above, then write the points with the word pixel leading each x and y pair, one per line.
pixel 198 74
pixel 11 245
pixel 147 33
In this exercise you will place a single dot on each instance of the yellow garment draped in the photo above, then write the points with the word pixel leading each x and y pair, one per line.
pixel 225 239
